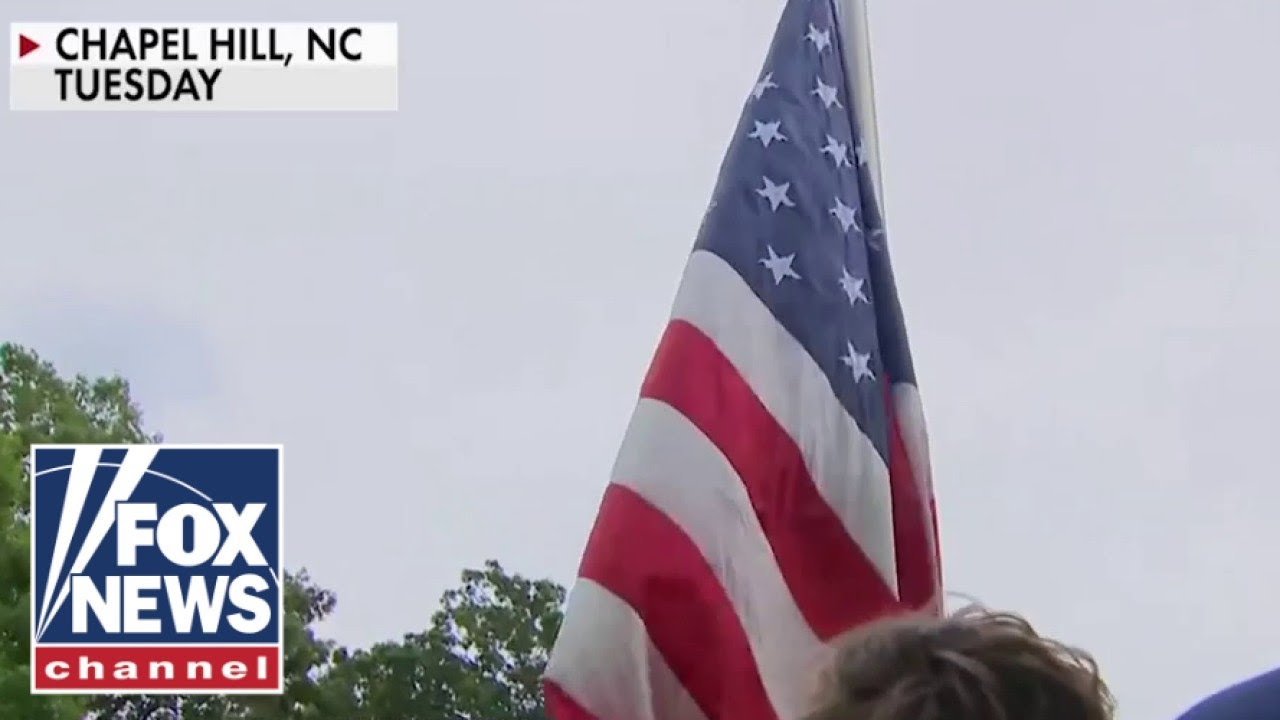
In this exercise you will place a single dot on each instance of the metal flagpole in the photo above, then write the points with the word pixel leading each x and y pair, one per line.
pixel 855 37
pixel 856 41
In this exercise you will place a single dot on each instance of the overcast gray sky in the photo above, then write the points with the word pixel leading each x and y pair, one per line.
pixel 445 313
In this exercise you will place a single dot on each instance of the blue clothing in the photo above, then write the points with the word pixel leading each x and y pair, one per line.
pixel 1254 699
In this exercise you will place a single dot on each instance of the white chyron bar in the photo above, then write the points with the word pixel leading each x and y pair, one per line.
pixel 204 66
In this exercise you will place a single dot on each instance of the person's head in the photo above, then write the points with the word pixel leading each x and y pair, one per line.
pixel 973 665
pixel 1257 697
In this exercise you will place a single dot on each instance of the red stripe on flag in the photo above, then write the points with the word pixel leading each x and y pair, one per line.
pixel 561 706
pixel 914 527
pixel 640 555
pixel 833 583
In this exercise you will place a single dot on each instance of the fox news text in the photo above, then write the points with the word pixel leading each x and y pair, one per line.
pixel 203 66
pixel 156 569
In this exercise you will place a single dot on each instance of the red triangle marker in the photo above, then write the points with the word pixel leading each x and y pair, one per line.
pixel 26 46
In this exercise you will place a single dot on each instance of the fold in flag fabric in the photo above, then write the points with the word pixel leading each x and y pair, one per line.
pixel 772 490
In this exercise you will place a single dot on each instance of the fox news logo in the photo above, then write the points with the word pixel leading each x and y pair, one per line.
pixel 156 569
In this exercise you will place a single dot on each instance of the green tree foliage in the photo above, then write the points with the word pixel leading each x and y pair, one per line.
pixel 481 656
pixel 500 628
pixel 39 406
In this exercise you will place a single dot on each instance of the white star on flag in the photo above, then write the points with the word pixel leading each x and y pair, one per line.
pixel 765 83
pixel 847 216
pixel 776 194
pixel 838 151
pixel 860 363
pixel 767 132
pixel 779 266
pixel 827 93
pixel 852 287
pixel 821 39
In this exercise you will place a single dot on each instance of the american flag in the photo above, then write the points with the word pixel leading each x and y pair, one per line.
pixel 772 490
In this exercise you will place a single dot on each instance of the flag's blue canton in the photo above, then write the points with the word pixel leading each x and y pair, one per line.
pixel 795 214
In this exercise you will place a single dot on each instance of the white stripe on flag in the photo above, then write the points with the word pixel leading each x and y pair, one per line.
pixel 848 472
pixel 671 464
pixel 910 413
pixel 605 661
